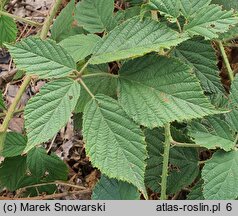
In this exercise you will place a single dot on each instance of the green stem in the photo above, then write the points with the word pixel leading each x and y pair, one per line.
pixel 226 61
pixel 46 27
pixel 30 22
pixel 164 176
pixel 185 145
pixel 86 87
pixel 179 26
pixel 11 110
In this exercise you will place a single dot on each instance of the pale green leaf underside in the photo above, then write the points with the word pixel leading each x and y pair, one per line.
pixel 209 21
pixel 48 111
pixel 135 38
pixel 201 56
pixel 41 164
pixel 114 143
pixel 63 22
pixel 80 46
pixel 14 144
pixel 212 133
pixel 232 116
pixel 93 15
pixel 156 90
pixel 112 189
pixel 8 30
pixel 45 59
pixel 221 177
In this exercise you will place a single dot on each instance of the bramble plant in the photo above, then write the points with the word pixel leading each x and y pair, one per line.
pixel 144 125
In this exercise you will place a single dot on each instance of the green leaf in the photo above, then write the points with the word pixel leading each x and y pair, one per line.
pixel 11 171
pixel 212 133
pixel 93 15
pixel 232 116
pixel 157 90
pixel 220 176
pixel 169 8
pixel 2 104
pixel 201 56
pixel 228 5
pixel 8 31
pixel 183 162
pixel 174 8
pixel 45 58
pixel 118 150
pixel 197 192
pixel 48 111
pixel 63 22
pixel 190 7
pixel 80 46
pixel 232 33
pixel 135 38
pixel 112 189
pixel 41 164
pixel 14 144
pixel 209 21
pixel 98 83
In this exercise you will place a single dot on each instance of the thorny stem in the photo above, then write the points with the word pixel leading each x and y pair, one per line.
pixel 226 61
pixel 164 176
pixel 49 197
pixel 30 22
pixel 46 27
pixel 55 182
pixel 27 79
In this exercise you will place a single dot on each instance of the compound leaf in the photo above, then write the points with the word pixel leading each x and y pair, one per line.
pixel 93 15
pixel 99 82
pixel 201 56
pixel 112 189
pixel 48 111
pixel 135 38
pixel 45 58
pixel 8 30
pixel 114 143
pixel 156 90
pixel 220 176
pixel 211 133
pixel 80 46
